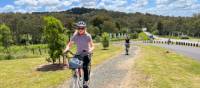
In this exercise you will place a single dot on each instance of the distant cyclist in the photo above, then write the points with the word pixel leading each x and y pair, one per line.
pixel 84 42
pixel 169 41
pixel 127 45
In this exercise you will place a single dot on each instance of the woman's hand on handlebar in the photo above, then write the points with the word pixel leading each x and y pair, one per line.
pixel 66 50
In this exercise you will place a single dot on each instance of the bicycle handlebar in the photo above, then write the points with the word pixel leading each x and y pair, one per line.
pixel 75 54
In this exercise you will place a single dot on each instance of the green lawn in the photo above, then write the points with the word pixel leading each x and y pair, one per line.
pixel 22 73
pixel 19 52
pixel 175 37
pixel 155 68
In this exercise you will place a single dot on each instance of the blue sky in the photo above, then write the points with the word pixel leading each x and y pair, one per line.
pixel 159 7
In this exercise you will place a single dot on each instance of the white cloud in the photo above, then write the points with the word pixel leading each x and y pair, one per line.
pixel 26 2
pixel 49 2
pixel 116 5
pixel 161 7
pixel 140 3
pixel 7 8
pixel 88 3
pixel 176 7
pixel 67 3
pixel 164 2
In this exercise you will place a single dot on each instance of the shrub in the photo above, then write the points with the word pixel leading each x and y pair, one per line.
pixel 105 39
pixel 143 36
pixel 134 35
pixel 97 39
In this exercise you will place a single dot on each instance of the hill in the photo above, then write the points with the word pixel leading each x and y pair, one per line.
pixel 100 20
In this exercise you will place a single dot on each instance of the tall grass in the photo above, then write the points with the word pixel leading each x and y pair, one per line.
pixel 17 52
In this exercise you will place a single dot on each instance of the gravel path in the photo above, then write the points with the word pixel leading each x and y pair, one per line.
pixel 110 73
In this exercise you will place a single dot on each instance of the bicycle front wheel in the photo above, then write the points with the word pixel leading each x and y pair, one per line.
pixel 76 82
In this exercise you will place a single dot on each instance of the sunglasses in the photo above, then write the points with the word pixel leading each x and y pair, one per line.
pixel 81 28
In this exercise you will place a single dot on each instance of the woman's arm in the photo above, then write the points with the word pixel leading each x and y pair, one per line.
pixel 68 46
pixel 91 46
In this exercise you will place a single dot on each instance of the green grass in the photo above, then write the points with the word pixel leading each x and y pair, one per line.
pixel 18 52
pixel 172 37
pixel 160 69
pixel 176 37
pixel 22 73
pixel 194 39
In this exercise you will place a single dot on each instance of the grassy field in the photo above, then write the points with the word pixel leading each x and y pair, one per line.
pixel 23 73
pixel 175 37
pixel 157 68
pixel 19 52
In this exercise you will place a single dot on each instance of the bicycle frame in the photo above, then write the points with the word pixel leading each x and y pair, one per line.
pixel 77 80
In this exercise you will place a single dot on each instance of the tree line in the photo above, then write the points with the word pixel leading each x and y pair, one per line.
pixel 28 28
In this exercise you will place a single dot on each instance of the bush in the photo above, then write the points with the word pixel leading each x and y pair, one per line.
pixel 134 35
pixel 185 37
pixel 105 39
pixel 97 39
pixel 143 36
pixel 9 57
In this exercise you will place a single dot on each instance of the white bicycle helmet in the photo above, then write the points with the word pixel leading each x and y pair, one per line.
pixel 81 24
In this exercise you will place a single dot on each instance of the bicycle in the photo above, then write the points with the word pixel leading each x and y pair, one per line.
pixel 76 65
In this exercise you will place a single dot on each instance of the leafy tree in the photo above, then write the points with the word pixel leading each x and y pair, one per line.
pixel 143 36
pixel 154 29
pixel 25 39
pixel 5 36
pixel 118 25
pixel 109 26
pixel 54 34
pixel 98 21
pixel 70 26
pixel 105 39
pixel 160 28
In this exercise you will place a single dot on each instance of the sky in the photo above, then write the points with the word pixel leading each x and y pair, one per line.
pixel 159 7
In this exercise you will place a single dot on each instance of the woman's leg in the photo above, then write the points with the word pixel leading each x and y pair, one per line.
pixel 86 61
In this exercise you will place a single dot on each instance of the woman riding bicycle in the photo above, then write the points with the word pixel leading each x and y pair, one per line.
pixel 84 42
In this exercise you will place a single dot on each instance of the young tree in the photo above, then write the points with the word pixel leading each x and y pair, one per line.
pixel 105 39
pixel 55 37
pixel 5 36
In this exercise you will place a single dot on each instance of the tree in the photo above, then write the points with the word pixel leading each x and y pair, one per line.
pixel 94 31
pixel 98 21
pixel 54 34
pixel 105 39
pixel 154 29
pixel 109 26
pixel 70 26
pixel 160 28
pixel 5 36
pixel 118 26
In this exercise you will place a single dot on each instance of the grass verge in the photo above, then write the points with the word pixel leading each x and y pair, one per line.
pixel 22 73
pixel 157 68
